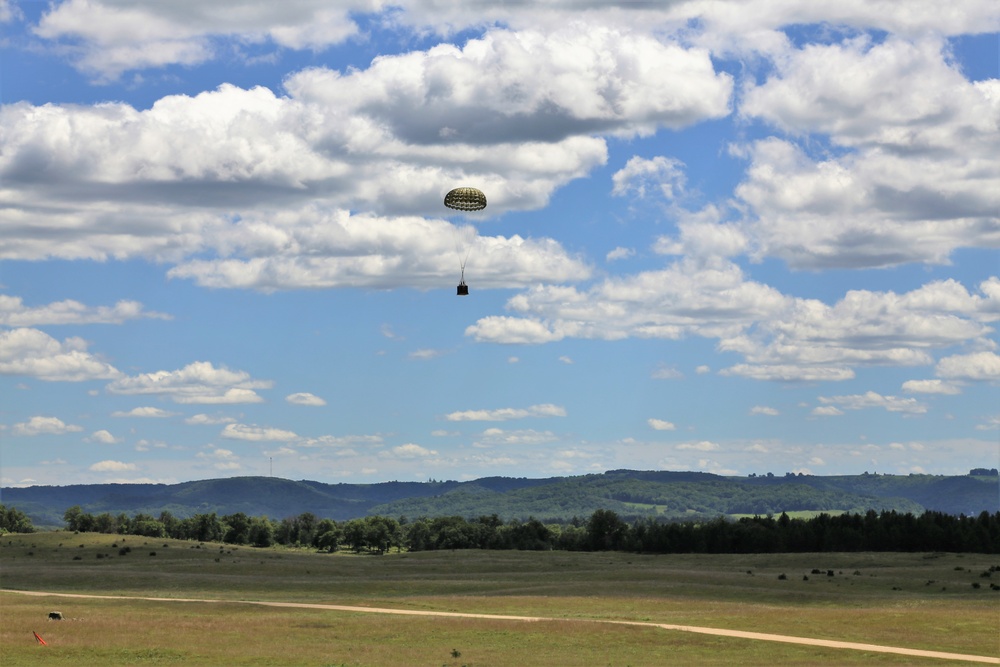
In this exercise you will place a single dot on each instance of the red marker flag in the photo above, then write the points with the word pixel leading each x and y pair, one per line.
pixel 40 640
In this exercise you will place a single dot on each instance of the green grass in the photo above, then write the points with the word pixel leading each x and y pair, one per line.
pixel 112 633
pixel 922 601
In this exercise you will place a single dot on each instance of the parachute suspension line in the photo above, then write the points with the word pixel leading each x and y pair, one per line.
pixel 463 289
pixel 466 260
pixel 465 199
pixel 463 236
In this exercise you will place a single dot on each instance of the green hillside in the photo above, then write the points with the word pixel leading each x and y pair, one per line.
pixel 629 493
pixel 632 495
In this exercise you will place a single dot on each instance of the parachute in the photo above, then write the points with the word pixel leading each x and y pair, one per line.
pixel 465 199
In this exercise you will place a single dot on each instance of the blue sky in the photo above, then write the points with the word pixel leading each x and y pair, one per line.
pixel 738 237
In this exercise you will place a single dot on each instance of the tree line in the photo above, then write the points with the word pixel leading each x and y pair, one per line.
pixel 604 530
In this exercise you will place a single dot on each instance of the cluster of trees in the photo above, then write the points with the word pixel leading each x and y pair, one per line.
pixel 14 521
pixel 234 528
pixel 603 530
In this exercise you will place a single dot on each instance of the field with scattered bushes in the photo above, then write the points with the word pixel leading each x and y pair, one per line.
pixel 934 601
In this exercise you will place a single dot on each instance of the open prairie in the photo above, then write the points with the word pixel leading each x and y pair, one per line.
pixel 936 602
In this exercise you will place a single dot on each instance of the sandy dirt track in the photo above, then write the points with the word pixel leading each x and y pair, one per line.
pixel 759 636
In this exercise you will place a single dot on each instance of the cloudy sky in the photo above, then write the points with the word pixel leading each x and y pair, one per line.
pixel 736 236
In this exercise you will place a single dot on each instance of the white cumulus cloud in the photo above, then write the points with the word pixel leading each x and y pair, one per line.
pixel 975 366
pixel 208 420
pixel 198 382
pixel 220 459
pixel 103 437
pixel 497 436
pixel 145 412
pixel 931 387
pixel 871 399
pixel 114 37
pixel 41 425
pixel 412 451
pixel 660 425
pixel 14 313
pixel 112 466
pixel 619 253
pixel 914 178
pixel 305 398
pixel 34 353
pixel 505 414
pixel 640 177
pixel 257 433
pixel 701 446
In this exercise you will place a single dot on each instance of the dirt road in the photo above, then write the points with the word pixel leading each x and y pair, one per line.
pixel 758 636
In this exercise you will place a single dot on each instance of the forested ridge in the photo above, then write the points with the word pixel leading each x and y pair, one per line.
pixel 629 493
pixel 637 497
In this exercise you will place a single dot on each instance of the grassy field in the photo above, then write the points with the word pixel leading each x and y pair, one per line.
pixel 924 601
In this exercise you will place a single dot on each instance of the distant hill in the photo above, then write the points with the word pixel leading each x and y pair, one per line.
pixel 629 493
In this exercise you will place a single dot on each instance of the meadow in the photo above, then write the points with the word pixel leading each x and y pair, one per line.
pixel 934 601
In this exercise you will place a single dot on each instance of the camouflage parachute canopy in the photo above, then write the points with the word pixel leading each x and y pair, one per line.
pixel 465 199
